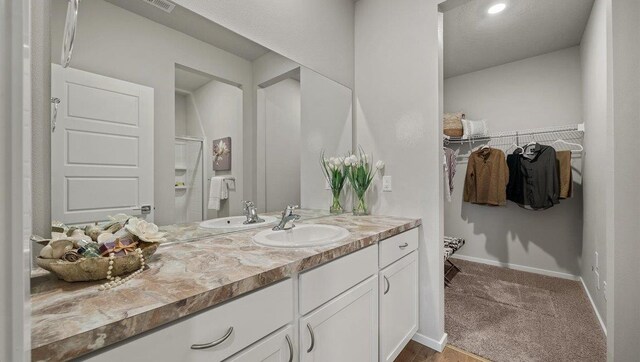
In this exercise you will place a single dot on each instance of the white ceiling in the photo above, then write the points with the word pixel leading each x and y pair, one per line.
pixel 196 26
pixel 190 80
pixel 475 40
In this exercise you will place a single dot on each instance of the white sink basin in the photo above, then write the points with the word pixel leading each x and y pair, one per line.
pixel 302 236
pixel 235 222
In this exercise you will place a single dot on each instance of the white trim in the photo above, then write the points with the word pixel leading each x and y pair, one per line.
pixel 430 342
pixel 602 324
pixel 529 269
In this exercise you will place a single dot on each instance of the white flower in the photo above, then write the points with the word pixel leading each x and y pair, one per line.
pixel 347 162
pixel 332 166
pixel 144 230
pixel 380 165
pixel 326 160
pixel 337 161
pixel 353 159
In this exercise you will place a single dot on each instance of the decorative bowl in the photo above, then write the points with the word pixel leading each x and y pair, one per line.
pixel 88 269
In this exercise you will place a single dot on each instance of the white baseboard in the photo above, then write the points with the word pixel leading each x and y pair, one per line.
pixel 430 342
pixel 529 269
pixel 593 305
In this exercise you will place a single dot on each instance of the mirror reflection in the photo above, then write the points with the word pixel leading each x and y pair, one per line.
pixel 165 115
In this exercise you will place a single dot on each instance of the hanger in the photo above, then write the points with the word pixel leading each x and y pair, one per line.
pixel 559 140
pixel 515 149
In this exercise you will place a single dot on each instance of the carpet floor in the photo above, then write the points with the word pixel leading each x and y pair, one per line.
pixel 506 315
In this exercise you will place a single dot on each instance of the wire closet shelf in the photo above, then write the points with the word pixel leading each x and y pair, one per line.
pixel 573 133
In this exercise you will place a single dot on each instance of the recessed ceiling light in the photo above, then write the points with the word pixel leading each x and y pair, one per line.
pixel 494 9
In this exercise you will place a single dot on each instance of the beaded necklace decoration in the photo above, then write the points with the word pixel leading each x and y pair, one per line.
pixel 114 282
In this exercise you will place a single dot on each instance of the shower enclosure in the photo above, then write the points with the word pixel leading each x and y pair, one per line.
pixel 189 180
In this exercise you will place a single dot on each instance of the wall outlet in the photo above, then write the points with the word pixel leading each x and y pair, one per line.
pixel 386 184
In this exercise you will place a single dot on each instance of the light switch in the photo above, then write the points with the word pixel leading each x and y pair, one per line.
pixel 386 184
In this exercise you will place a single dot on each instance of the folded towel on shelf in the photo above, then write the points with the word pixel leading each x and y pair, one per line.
pixel 217 191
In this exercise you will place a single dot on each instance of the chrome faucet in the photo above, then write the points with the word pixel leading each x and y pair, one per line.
pixel 251 213
pixel 287 217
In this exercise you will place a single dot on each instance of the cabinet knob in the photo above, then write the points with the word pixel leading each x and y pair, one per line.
pixel 214 343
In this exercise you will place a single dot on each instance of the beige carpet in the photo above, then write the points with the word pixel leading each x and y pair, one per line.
pixel 506 315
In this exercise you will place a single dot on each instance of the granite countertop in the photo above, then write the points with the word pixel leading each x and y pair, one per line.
pixel 72 319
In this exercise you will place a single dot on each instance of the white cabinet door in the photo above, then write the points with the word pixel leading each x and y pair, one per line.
pixel 344 329
pixel 398 305
pixel 278 347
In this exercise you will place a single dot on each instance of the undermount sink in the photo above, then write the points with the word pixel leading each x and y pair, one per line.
pixel 235 222
pixel 302 236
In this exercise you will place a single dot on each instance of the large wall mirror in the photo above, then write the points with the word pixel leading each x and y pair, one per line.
pixel 158 106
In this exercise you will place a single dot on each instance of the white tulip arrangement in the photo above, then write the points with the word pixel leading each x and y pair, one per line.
pixel 335 173
pixel 360 173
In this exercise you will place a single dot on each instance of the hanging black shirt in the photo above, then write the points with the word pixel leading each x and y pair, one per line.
pixel 535 178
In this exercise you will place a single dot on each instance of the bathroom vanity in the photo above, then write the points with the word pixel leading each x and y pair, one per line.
pixel 228 298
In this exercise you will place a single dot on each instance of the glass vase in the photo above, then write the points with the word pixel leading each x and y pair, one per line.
pixel 336 207
pixel 360 204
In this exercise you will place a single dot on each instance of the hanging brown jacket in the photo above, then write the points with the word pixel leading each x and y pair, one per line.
pixel 487 178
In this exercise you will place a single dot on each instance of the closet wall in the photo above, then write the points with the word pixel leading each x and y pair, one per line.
pixel 597 156
pixel 541 91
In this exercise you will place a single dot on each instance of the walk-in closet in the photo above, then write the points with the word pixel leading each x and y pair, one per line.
pixel 524 161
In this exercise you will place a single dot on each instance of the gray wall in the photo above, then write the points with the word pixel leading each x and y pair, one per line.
pixel 15 165
pixel 596 157
pixel 398 119
pixel 624 248
pixel 541 91
pixel 317 34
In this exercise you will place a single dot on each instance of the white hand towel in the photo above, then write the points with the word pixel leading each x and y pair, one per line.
pixel 217 191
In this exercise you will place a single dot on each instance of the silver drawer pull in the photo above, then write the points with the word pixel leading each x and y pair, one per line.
pixel 290 347
pixel 386 280
pixel 313 338
pixel 403 245
pixel 214 343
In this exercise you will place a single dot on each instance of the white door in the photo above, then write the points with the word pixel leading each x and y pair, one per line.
pixel 276 348
pixel 101 148
pixel 398 305
pixel 344 329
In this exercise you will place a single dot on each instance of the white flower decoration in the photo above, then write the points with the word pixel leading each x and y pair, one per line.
pixel 121 218
pixel 145 230
pixel 380 165
pixel 347 162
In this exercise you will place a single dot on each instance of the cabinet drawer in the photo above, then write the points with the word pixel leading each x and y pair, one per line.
pixel 319 285
pixel 396 247
pixel 252 317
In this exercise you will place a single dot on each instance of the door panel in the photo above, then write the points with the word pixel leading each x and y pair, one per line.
pixel 344 329
pixel 102 147
pixel 398 305
pixel 276 348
